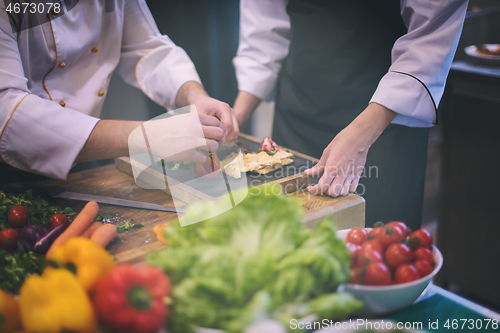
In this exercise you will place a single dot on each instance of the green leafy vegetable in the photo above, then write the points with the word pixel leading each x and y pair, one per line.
pixel 15 267
pixel 256 261
pixel 125 226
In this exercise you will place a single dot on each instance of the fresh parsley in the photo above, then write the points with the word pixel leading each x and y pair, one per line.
pixel 125 226
pixel 17 266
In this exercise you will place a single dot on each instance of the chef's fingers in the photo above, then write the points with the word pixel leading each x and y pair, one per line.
pixel 354 185
pixel 214 133
pixel 330 172
pixel 337 183
pixel 318 168
pixel 233 135
pixel 347 184
pixel 224 112
pixel 315 170
pixel 211 121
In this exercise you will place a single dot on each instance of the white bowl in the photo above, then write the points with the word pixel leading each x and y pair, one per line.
pixel 385 299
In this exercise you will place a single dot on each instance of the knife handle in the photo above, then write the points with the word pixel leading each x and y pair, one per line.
pixel 37 189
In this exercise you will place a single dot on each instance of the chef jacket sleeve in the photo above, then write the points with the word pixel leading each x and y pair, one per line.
pixel 421 60
pixel 264 43
pixel 37 135
pixel 150 61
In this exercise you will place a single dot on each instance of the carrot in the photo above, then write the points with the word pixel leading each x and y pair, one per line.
pixel 76 228
pixel 87 233
pixel 158 231
pixel 104 234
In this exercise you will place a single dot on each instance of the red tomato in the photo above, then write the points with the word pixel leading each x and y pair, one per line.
pixel 401 226
pixel 398 254
pixel 406 273
pixel 423 267
pixel 58 219
pixel 376 233
pixel 8 239
pixel 424 254
pixel 372 244
pixel 420 238
pixel 354 249
pixel 377 274
pixel 18 216
pixel 355 278
pixel 390 235
pixel 368 255
pixel 210 168
pixel 356 236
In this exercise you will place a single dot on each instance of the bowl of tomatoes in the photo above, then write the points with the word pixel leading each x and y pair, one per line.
pixel 390 267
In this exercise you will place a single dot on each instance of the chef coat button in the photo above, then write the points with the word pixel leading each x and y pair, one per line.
pixel 62 65
pixel 61 103
pixel 95 49
pixel 100 93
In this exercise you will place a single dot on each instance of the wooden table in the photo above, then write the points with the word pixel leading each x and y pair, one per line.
pixel 133 245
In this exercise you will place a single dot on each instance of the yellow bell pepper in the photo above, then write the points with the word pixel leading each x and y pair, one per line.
pixel 10 318
pixel 54 302
pixel 89 260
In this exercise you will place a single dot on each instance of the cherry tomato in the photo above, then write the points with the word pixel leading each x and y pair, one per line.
pixel 58 219
pixel 210 168
pixel 8 239
pixel 424 254
pixel 356 236
pixel 368 256
pixel 355 278
pixel 18 216
pixel 390 235
pixel 420 238
pixel 398 254
pixel 376 233
pixel 354 249
pixel 406 273
pixel 423 267
pixel 401 226
pixel 372 244
pixel 377 274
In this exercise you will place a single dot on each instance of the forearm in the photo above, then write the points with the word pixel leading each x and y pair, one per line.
pixel 109 139
pixel 244 105
pixel 189 93
pixel 370 123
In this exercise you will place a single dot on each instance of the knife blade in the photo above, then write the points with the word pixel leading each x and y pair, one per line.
pixel 60 192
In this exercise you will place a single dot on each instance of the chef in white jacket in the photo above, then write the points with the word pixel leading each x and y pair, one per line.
pixel 54 78
pixel 352 76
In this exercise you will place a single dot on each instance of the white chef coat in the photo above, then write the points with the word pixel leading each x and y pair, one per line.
pixel 54 77
pixel 421 59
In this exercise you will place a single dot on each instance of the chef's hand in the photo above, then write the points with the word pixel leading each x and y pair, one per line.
pixel 192 92
pixel 178 138
pixel 343 160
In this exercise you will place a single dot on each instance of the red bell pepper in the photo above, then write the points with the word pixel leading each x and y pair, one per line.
pixel 132 299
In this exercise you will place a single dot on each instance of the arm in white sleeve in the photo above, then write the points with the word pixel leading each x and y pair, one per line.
pixel 264 43
pixel 37 135
pixel 150 61
pixel 421 60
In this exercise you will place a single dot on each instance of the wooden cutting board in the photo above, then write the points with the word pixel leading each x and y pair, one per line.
pixel 347 211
